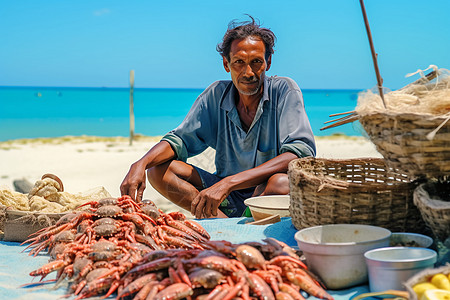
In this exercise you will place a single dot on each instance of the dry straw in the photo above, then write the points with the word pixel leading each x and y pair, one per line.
pixel 428 97
pixel 353 191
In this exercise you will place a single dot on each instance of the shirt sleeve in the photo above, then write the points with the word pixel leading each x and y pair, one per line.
pixel 295 131
pixel 189 138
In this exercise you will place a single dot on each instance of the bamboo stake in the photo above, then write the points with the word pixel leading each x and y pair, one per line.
pixel 342 118
pixel 343 113
pixel 374 54
pixel 342 122
pixel 131 107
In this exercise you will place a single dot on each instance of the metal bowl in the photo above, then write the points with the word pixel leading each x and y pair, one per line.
pixel 406 239
pixel 336 252
pixel 390 267
pixel 265 206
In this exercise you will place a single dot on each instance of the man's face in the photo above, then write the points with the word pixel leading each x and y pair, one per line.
pixel 247 64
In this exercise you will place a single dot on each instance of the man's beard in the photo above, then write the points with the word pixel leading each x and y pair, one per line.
pixel 251 92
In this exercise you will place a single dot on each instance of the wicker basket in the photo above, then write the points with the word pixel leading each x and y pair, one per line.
pixel 402 140
pixel 435 212
pixel 354 191
pixel 19 225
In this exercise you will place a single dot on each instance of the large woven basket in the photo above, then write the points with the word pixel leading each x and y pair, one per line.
pixel 402 140
pixel 435 212
pixel 353 191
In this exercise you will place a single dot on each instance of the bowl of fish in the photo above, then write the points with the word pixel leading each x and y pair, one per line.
pixel 408 239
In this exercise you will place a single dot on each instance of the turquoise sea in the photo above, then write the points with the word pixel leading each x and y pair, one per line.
pixel 31 112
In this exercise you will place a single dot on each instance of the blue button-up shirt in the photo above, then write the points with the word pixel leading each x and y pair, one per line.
pixel 280 125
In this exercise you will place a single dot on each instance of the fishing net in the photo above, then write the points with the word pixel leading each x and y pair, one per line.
pixel 428 95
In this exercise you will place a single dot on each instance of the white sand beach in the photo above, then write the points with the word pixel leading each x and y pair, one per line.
pixel 84 163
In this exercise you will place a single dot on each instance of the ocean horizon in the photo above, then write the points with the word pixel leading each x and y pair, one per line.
pixel 35 112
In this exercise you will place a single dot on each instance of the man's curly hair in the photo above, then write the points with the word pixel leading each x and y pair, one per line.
pixel 240 30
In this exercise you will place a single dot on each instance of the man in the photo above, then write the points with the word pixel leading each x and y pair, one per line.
pixel 256 124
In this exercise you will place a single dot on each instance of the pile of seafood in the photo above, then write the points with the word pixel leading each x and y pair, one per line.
pixel 139 252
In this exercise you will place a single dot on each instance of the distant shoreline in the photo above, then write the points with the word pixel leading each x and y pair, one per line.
pixel 79 139
pixel 122 139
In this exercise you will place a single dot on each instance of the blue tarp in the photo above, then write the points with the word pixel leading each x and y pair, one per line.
pixel 15 266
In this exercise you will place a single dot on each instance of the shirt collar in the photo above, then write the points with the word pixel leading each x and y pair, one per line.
pixel 228 101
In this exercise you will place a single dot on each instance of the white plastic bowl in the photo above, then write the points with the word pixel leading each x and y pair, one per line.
pixel 336 252
pixel 390 267
pixel 265 206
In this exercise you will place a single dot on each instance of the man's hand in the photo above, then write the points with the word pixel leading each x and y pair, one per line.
pixel 133 184
pixel 208 200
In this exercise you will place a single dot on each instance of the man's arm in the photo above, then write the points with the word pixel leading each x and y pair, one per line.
pixel 135 180
pixel 208 200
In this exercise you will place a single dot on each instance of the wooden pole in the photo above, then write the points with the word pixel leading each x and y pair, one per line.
pixel 131 107
pixel 374 54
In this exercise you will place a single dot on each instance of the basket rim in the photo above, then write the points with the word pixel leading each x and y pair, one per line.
pixel 12 212
pixel 405 114
pixel 327 179
pixel 343 160
pixel 427 201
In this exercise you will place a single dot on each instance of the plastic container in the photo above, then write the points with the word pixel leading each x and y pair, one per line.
pixel 336 252
pixel 390 267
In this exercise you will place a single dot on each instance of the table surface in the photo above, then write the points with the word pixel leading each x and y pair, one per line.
pixel 15 265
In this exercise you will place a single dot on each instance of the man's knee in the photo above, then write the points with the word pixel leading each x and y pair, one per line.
pixel 172 171
pixel 155 174
pixel 278 184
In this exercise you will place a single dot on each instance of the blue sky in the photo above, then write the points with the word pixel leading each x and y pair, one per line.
pixel 171 44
